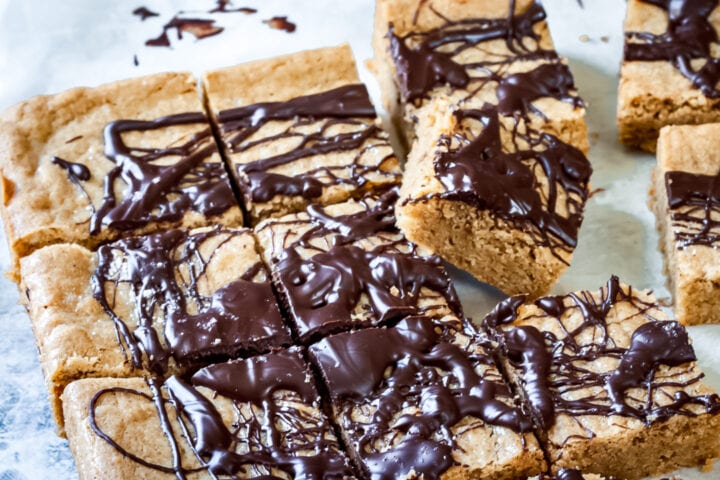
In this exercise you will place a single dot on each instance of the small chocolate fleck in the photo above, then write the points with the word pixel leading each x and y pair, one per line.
pixel 144 13
pixel 280 23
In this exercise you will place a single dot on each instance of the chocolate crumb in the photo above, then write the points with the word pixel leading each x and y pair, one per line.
pixel 281 23
pixel 144 13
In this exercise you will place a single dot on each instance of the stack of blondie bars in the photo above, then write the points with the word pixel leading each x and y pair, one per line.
pixel 248 285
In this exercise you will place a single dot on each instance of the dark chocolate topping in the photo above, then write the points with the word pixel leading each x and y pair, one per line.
pixel 346 107
pixel 425 60
pixel 264 382
pixel 154 190
pixel 410 365
pixel 480 172
pixel 694 202
pixel 552 367
pixel 569 473
pixel 689 36
pixel 516 92
pixel 144 13
pixel 239 317
pixel 76 172
pixel 198 27
pixel 323 288
pixel 281 23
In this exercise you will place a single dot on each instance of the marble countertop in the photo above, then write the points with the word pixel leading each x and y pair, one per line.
pixel 48 46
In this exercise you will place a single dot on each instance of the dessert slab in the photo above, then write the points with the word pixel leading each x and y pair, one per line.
pixel 78 43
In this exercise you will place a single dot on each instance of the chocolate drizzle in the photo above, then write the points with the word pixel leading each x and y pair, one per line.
pixel 239 317
pixel 155 190
pixel 76 172
pixel 553 369
pixel 144 13
pixel 413 386
pixel 281 23
pixel 694 202
pixel 323 288
pixel 273 385
pixel 331 122
pixel 429 59
pixel 198 27
pixel 481 172
pixel 689 37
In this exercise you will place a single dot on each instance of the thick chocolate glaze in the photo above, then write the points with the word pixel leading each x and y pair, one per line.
pixel 279 387
pixel 382 372
pixel 323 288
pixel 551 367
pixel 239 317
pixel 689 37
pixel 477 169
pixel 426 60
pixel 694 202
pixel 346 107
pixel 154 190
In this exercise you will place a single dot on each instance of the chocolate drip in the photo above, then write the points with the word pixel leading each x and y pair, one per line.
pixel 346 107
pixel 426 60
pixel 241 316
pixel 221 6
pixel 76 172
pixel 281 23
pixel 569 473
pixel 144 13
pixel 553 367
pixel 689 37
pixel 481 173
pixel 694 202
pixel 323 289
pixel 155 191
pixel 408 366
pixel 273 384
pixel 198 27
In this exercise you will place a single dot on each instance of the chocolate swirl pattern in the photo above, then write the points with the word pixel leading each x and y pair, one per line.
pixel 278 431
pixel 400 393
pixel 355 269
pixel 161 275
pixel 560 367
pixel 540 188
pixel 338 121
pixel 694 202
pixel 689 38
pixel 429 59
pixel 155 184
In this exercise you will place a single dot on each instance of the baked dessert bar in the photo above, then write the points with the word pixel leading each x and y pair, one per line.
pixel 94 164
pixel 255 418
pixel 149 304
pixel 471 53
pixel 613 384
pixel 685 196
pixel 670 70
pixel 423 399
pixel 496 178
pixel 299 129
pixel 346 266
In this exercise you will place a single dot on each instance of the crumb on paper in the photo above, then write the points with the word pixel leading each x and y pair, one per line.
pixel 584 38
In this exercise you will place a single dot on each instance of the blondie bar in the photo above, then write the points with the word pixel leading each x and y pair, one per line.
pixel 299 129
pixel 613 385
pixel 496 178
pixel 671 68
pixel 424 399
pixel 148 304
pixel 685 196
pixel 346 266
pixel 94 164
pixel 255 418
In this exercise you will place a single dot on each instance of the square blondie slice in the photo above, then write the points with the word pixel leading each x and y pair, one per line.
pixel 158 303
pixel 494 197
pixel 671 68
pixel 255 418
pixel 685 196
pixel 346 266
pixel 614 386
pixel 424 399
pixel 93 164
pixel 299 129
pixel 473 52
